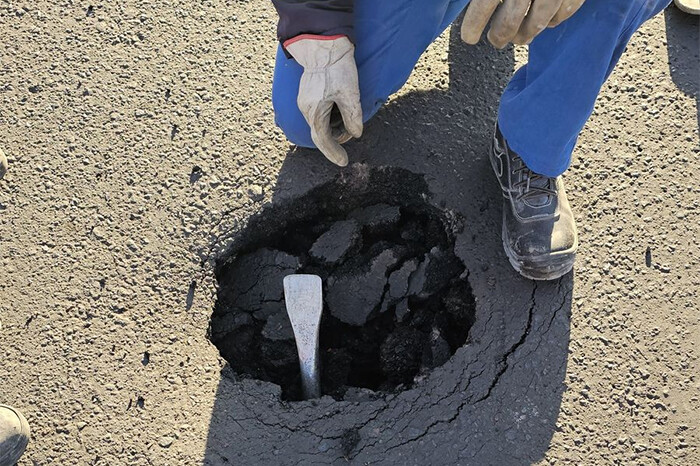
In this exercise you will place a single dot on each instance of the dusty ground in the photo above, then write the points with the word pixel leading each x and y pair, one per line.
pixel 141 138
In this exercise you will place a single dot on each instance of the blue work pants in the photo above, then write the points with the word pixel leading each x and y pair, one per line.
pixel 546 103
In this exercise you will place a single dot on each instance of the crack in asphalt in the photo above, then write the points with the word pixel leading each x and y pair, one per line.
pixel 504 367
pixel 503 363
pixel 516 345
pixel 216 238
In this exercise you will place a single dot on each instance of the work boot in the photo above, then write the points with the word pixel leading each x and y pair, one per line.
pixel 14 435
pixel 539 233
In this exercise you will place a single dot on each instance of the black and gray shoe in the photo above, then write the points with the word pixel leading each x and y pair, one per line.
pixel 539 232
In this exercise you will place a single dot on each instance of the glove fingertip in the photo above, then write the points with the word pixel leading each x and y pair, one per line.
pixel 339 158
pixel 333 151
pixel 355 130
pixel 468 37
pixel 497 42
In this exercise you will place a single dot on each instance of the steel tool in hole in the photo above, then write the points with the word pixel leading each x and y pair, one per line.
pixel 303 297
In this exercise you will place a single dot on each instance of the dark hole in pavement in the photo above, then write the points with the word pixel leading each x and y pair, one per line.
pixel 397 303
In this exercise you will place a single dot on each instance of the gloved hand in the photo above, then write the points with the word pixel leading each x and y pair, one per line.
pixel 517 21
pixel 329 79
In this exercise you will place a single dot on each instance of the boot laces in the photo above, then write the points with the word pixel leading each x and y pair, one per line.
pixel 535 189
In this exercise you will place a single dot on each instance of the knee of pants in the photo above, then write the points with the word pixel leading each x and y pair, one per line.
pixel 630 14
pixel 285 88
pixel 290 120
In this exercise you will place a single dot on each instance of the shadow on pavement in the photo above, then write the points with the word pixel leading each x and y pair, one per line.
pixel 683 39
pixel 497 401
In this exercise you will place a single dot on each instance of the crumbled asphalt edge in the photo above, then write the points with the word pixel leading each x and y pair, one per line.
pixel 475 383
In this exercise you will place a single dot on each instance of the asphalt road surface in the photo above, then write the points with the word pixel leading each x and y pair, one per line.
pixel 141 138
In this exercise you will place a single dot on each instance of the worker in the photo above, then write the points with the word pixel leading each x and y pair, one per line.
pixel 339 60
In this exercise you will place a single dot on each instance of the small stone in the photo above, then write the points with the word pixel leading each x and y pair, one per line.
pixel 98 233
pixel 63 429
pixel 255 192
pixel 196 173
pixel 439 349
pixel 377 217
pixel 353 294
pixel 278 327
pixel 334 245
pixel 166 441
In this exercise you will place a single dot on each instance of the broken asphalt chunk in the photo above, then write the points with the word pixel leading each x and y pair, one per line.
pixel 257 279
pixel 356 291
pixel 378 217
pixel 337 242
pixel 398 284
pixel 278 327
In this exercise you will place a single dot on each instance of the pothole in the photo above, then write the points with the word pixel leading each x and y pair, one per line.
pixel 397 303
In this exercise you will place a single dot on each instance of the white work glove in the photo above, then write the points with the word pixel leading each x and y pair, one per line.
pixel 329 78
pixel 517 21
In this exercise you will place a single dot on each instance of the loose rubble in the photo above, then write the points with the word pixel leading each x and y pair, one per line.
pixel 395 302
